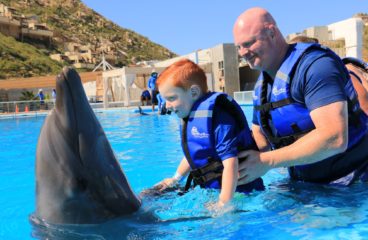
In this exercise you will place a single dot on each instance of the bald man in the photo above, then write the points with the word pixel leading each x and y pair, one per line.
pixel 305 107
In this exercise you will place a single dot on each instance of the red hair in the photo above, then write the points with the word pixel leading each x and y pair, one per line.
pixel 184 73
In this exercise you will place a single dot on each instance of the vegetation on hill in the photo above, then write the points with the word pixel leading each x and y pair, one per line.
pixel 24 60
pixel 72 21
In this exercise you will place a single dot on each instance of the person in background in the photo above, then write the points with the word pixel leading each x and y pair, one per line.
pixel 306 112
pixel 358 71
pixel 303 39
pixel 153 88
pixel 41 97
pixel 161 104
pixel 145 97
pixel 53 95
pixel 213 129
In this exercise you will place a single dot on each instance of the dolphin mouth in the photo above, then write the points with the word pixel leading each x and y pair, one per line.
pixel 71 101
pixel 66 105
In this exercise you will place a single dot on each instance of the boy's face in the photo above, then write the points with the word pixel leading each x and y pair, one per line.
pixel 178 100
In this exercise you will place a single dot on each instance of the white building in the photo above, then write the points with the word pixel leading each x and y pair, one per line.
pixel 350 31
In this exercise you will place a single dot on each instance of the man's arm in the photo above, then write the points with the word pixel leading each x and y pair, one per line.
pixel 260 139
pixel 329 138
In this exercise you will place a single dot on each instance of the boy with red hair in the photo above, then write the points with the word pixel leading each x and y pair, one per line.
pixel 213 130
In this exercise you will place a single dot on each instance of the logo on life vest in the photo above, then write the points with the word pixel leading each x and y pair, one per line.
pixel 276 91
pixel 197 134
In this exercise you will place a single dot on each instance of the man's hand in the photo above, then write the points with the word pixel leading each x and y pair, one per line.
pixel 251 167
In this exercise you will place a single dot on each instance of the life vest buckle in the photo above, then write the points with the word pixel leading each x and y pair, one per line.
pixel 209 172
pixel 202 180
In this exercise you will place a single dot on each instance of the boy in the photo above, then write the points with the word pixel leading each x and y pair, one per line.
pixel 213 129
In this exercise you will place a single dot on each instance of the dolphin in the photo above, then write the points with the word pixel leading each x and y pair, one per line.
pixel 141 111
pixel 78 178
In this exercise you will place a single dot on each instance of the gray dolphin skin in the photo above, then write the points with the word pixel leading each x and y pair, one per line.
pixel 78 178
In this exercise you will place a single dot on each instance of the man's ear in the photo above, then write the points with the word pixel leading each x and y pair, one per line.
pixel 271 31
pixel 195 91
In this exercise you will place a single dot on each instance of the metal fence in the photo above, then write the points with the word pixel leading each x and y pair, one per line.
pixel 22 107
pixel 14 109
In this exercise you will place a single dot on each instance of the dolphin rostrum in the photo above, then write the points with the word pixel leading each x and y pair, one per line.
pixel 78 178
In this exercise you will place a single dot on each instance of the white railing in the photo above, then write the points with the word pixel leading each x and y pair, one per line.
pixel 244 97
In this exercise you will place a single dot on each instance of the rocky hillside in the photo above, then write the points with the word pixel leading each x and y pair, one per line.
pixel 72 21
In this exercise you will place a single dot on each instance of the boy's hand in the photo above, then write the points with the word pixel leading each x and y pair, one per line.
pixel 219 208
pixel 214 206
pixel 166 185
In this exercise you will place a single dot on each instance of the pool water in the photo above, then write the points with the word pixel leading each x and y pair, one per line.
pixel 148 148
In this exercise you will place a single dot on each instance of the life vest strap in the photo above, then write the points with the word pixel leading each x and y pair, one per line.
pixel 202 180
pixel 188 183
pixel 212 166
pixel 201 176
pixel 267 107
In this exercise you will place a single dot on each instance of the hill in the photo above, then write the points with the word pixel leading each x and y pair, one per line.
pixel 24 60
pixel 73 22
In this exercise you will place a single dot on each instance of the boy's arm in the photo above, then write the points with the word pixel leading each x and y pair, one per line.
pixel 229 180
pixel 226 140
pixel 182 170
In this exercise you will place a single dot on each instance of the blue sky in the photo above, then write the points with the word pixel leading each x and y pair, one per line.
pixel 189 25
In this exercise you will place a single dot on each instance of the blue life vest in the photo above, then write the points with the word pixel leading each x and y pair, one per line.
pixel 198 140
pixel 283 120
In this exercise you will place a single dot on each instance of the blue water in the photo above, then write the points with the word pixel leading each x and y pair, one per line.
pixel 148 148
